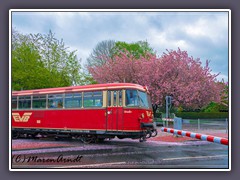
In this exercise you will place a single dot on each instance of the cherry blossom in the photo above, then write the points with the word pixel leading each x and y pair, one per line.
pixel 175 73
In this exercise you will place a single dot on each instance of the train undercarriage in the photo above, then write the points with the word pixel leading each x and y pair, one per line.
pixel 85 137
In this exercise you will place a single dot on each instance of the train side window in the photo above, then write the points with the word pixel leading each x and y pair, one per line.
pixel 39 102
pixel 68 101
pixel 73 100
pixel 109 98
pixel 98 98
pixel 55 100
pixel 93 99
pixel 87 99
pixel 114 98
pixel 120 98
pixel 24 102
pixel 14 102
pixel 78 99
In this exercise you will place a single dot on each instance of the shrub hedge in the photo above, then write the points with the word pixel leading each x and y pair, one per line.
pixel 200 115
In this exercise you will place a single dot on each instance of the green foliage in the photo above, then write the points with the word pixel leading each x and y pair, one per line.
pixel 106 50
pixel 225 95
pixel 87 79
pixel 28 72
pixel 201 115
pixel 42 61
pixel 138 49
pixel 215 107
pixel 179 109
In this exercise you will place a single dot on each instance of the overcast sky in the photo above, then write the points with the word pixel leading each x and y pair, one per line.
pixel 203 35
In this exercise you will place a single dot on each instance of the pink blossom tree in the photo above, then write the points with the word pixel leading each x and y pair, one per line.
pixel 184 78
pixel 174 73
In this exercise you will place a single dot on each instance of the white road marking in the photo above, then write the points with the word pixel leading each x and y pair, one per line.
pixel 197 157
pixel 91 165
pixel 117 163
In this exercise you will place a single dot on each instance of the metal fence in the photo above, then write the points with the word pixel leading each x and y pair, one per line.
pixel 201 124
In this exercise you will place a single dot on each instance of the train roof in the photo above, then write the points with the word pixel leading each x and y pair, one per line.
pixel 69 89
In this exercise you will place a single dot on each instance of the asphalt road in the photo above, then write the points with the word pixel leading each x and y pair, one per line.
pixel 126 154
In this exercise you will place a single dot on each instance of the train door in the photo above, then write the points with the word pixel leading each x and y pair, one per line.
pixel 114 111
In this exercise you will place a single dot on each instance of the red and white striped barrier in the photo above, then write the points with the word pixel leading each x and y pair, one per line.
pixel 196 135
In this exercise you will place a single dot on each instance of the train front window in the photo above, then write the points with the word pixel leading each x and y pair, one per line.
pixel 149 101
pixel 136 98
pixel 131 98
pixel 143 99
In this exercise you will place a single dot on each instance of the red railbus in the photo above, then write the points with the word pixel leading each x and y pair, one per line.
pixel 89 113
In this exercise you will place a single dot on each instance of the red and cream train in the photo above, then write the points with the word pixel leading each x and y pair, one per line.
pixel 89 113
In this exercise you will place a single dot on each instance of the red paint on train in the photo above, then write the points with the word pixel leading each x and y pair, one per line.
pixel 114 117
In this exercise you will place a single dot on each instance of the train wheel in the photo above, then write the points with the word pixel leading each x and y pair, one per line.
pixel 88 139
pixel 57 138
pixel 154 133
pixel 120 137
pixel 15 135
pixel 149 134
pixel 100 140
pixel 142 139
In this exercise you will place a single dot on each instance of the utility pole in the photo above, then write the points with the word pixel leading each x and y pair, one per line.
pixel 168 106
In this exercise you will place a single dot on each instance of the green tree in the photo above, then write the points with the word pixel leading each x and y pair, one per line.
pixel 57 57
pixel 222 106
pixel 40 61
pixel 110 50
pixel 138 49
pixel 215 107
pixel 28 72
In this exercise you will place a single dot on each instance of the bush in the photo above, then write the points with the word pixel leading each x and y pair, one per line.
pixel 198 115
pixel 202 115
pixel 215 107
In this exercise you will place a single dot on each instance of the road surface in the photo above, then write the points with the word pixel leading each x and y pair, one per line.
pixel 115 153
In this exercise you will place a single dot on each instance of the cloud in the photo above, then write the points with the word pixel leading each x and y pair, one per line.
pixel 203 35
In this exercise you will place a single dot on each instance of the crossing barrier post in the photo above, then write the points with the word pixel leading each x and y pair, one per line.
pixel 203 137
